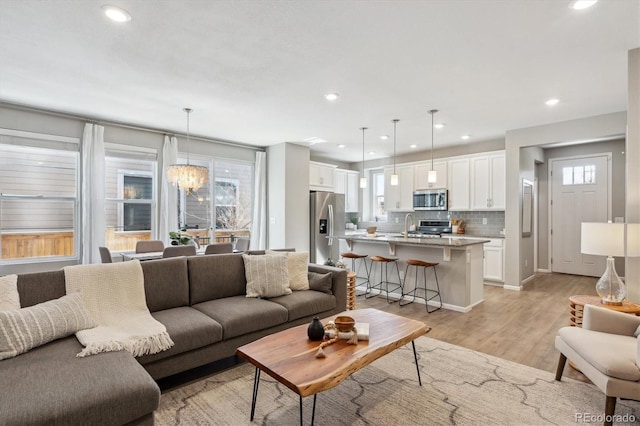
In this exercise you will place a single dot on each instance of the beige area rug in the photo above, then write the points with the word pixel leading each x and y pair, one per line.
pixel 459 387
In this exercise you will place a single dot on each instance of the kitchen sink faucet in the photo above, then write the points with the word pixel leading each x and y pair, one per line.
pixel 406 228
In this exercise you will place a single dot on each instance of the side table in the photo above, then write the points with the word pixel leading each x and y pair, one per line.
pixel 576 307
pixel 351 290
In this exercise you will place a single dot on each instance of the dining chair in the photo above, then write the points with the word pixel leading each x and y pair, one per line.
pixel 174 251
pixel 242 244
pixel 148 246
pixel 105 255
pixel 219 248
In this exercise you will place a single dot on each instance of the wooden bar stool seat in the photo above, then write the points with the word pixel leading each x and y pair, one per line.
pixel 384 262
pixel 417 263
pixel 354 257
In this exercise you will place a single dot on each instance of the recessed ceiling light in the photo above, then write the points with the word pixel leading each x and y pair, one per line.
pixel 372 152
pixel 384 137
pixel 116 14
pixel 582 4
pixel 552 102
pixel 314 140
pixel 341 145
pixel 438 125
pixel 332 96
pixel 465 137
pixel 413 146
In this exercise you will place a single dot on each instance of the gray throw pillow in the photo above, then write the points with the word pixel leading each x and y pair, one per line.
pixel 27 328
pixel 320 282
pixel 267 276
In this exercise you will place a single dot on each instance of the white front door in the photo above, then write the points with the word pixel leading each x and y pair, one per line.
pixel 580 190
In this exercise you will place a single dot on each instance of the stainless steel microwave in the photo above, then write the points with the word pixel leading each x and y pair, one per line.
pixel 430 199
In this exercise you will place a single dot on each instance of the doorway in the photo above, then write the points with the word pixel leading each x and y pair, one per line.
pixel 580 189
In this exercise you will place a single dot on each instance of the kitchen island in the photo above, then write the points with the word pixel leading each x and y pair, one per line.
pixel 460 269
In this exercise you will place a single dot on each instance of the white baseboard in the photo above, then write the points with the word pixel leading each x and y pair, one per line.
pixel 544 271
pixel 526 280
pixel 512 287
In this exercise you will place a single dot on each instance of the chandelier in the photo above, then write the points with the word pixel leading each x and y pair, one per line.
pixel 187 176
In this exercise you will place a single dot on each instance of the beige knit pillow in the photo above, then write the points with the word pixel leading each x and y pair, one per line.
pixel 267 275
pixel 27 328
pixel 298 265
pixel 9 298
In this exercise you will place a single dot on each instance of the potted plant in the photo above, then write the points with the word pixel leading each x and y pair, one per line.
pixel 354 221
pixel 181 238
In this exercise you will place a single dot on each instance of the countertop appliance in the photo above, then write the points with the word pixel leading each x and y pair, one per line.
pixel 327 219
pixel 431 229
pixel 430 199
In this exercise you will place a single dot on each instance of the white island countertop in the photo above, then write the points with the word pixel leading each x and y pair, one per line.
pixel 396 238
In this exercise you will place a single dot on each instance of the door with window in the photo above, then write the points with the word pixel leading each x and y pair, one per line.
pixel 580 189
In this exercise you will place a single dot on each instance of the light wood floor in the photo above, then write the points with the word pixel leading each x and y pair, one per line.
pixel 519 326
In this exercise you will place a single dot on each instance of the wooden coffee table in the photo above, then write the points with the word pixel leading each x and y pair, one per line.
pixel 290 358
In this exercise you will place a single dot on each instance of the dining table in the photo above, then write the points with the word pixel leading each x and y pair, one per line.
pixel 152 255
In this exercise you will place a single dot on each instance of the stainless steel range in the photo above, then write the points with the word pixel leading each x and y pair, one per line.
pixel 431 229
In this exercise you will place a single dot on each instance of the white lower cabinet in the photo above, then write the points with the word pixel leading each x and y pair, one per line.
pixel 494 260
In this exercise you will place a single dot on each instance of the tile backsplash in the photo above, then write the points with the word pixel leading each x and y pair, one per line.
pixel 473 221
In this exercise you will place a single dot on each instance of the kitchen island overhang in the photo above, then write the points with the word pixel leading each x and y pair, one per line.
pixel 460 264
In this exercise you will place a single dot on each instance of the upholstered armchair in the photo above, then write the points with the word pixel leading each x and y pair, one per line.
pixel 606 351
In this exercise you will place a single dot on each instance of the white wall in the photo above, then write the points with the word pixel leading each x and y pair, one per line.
pixel 288 196
pixel 632 271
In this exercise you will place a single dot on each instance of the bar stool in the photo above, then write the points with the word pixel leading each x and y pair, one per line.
pixel 354 257
pixel 384 261
pixel 424 265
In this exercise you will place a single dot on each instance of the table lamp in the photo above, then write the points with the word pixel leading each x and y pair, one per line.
pixel 606 239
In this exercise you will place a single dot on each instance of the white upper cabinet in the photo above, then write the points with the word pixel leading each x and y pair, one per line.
pixel 400 197
pixel 321 176
pixel 421 175
pixel 458 184
pixel 488 182
pixel 352 192
pixel 340 181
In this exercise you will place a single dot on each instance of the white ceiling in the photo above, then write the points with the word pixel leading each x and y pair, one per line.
pixel 256 72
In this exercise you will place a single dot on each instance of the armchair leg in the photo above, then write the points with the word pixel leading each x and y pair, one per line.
pixel 610 408
pixel 561 362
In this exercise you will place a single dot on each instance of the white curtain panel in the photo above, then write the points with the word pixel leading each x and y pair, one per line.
pixel 168 192
pixel 259 219
pixel 93 220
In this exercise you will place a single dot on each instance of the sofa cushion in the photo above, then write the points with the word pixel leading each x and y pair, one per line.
pixel 320 282
pixel 267 276
pixel 215 277
pixel 188 328
pixel 27 328
pixel 301 304
pixel 50 385
pixel 612 354
pixel 298 263
pixel 241 315
pixel 166 283
pixel 38 287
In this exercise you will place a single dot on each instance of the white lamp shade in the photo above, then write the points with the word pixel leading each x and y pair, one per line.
pixel 394 179
pixel 633 239
pixel 432 176
pixel 602 239
pixel 363 182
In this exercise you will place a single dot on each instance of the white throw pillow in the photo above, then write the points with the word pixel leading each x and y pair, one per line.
pixel 267 275
pixel 27 328
pixel 9 297
pixel 298 264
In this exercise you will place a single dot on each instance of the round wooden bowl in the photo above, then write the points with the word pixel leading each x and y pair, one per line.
pixel 344 323
pixel 372 229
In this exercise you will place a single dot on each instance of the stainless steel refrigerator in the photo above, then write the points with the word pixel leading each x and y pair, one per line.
pixel 327 219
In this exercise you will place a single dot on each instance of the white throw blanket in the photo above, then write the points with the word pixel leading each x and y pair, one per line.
pixel 114 295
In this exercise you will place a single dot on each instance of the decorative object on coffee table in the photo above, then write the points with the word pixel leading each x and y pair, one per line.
pixel 315 331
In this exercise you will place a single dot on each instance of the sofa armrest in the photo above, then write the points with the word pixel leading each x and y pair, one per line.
pixel 338 282
pixel 608 321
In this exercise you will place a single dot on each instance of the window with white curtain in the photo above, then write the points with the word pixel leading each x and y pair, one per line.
pixel 39 193
pixel 130 196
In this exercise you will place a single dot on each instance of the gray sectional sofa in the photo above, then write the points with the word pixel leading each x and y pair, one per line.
pixel 200 300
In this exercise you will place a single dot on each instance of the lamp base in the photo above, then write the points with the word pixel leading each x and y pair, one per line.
pixel 610 287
